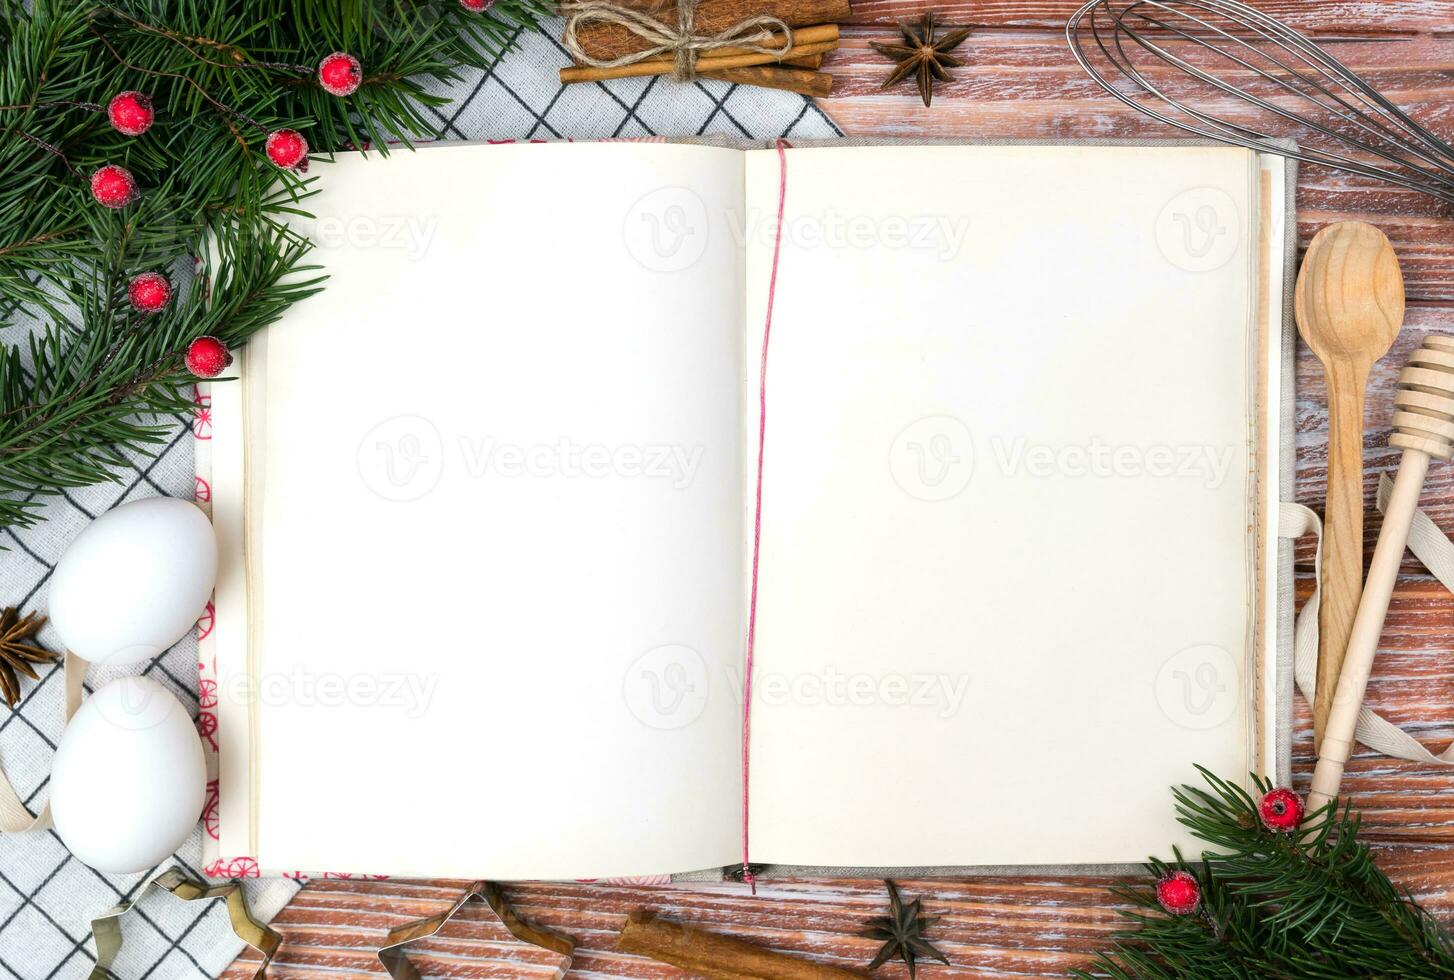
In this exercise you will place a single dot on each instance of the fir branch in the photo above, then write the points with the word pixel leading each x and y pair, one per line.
pixel 1307 904
pixel 85 383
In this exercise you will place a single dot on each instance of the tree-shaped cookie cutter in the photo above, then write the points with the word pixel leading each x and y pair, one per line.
pixel 397 963
pixel 106 928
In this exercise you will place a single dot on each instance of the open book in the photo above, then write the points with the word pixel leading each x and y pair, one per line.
pixel 503 516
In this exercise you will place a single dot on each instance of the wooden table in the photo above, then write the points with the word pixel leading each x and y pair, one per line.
pixel 1021 82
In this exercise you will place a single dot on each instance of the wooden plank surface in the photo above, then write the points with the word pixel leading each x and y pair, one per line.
pixel 1021 82
pixel 1324 17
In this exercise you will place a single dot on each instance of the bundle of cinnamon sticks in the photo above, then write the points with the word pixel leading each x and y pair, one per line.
pixel 814 26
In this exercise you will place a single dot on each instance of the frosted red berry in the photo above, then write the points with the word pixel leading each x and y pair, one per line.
pixel 1281 810
pixel 340 73
pixel 130 113
pixel 477 6
pixel 1178 893
pixel 113 186
pixel 150 292
pixel 288 149
pixel 207 357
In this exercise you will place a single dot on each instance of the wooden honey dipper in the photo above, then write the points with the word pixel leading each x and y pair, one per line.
pixel 1423 424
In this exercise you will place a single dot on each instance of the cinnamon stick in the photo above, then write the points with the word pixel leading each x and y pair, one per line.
pixel 717 957
pixel 609 41
pixel 816 83
pixel 802 36
pixel 807 42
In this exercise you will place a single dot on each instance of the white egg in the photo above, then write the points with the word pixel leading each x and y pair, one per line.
pixel 128 780
pixel 134 581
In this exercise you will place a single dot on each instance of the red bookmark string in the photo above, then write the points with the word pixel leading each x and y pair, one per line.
pixel 782 196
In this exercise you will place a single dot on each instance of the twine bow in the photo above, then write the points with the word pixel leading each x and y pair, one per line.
pixel 753 34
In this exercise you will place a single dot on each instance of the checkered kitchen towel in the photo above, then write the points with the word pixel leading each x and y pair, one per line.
pixel 45 894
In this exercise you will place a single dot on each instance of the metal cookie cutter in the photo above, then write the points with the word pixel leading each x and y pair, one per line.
pixel 392 954
pixel 106 928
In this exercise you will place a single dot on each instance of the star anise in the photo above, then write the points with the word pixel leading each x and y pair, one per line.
pixel 16 655
pixel 903 933
pixel 922 54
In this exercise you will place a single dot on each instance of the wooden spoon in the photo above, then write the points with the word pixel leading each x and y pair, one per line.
pixel 1349 306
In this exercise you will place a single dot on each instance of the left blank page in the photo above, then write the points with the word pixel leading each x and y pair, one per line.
pixel 495 565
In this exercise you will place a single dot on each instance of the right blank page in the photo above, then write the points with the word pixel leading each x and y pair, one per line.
pixel 1005 569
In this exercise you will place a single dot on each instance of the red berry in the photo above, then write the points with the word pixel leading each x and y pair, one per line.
pixel 150 292
pixel 288 149
pixel 207 357
pixel 477 6
pixel 340 73
pixel 130 113
pixel 1281 810
pixel 113 186
pixel 1179 893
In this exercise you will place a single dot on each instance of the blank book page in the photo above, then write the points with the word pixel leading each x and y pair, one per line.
pixel 1005 572
pixel 498 609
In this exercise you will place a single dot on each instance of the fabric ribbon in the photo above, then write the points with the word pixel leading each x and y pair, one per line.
pixel 681 41
pixel 14 817
pixel 1430 546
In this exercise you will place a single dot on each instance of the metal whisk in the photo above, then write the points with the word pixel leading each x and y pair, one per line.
pixel 1222 53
